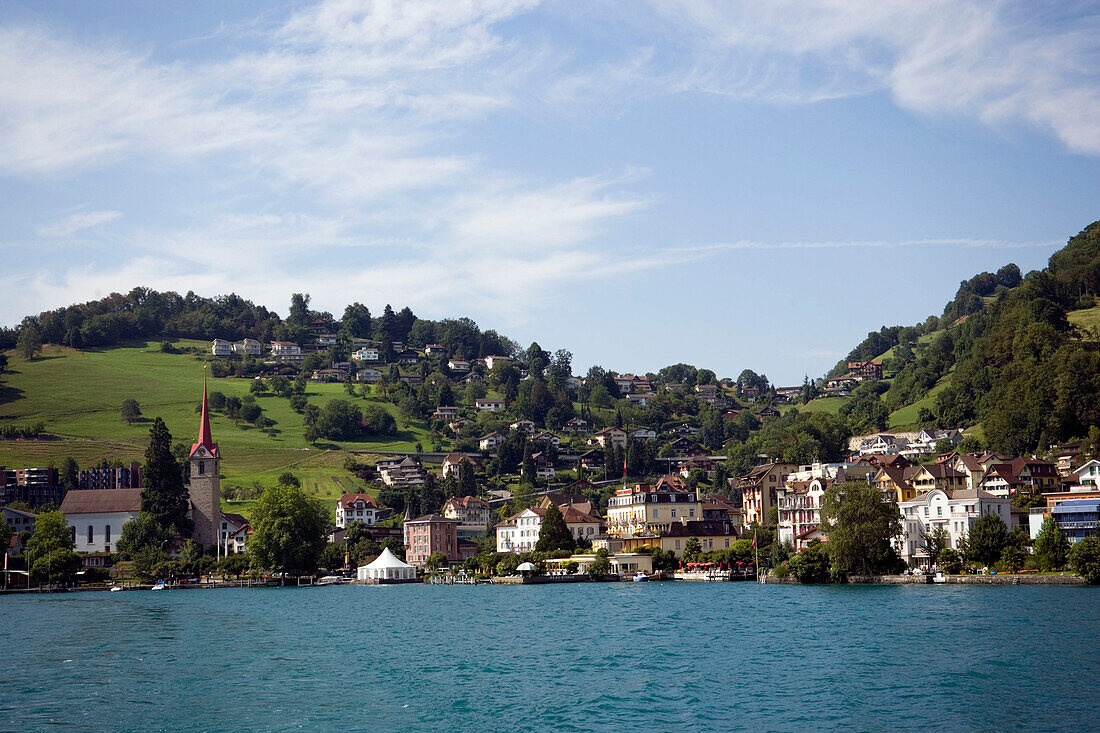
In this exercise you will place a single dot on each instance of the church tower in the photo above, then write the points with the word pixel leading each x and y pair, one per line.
pixel 205 488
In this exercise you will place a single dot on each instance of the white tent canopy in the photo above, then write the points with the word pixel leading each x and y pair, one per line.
pixel 387 566
pixel 526 567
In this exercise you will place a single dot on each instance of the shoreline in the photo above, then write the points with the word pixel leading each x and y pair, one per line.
pixel 1050 580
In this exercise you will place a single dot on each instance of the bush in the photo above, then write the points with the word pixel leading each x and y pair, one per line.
pixel 782 571
pixel 810 565
pixel 1084 559
pixel 949 560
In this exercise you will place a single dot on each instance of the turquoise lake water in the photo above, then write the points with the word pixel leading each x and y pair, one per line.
pixel 600 657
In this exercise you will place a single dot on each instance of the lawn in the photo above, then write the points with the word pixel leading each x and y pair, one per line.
pixel 78 396
pixel 830 405
pixel 1087 320
pixel 906 417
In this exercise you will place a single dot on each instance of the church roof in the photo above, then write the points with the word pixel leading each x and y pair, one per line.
pixel 206 439
pixel 101 501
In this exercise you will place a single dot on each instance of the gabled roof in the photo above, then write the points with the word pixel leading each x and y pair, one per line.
pixel 467 502
pixel 98 501
pixel 347 500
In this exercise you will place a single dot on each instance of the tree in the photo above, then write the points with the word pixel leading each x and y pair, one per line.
pixel 936 541
pixel 288 531
pixel 1051 546
pixel 692 549
pixel 356 321
pixel 860 525
pixel 436 560
pixel 1084 559
pixel 299 310
pixel 69 475
pixel 131 411
pixel 949 560
pixel 286 478
pixel 49 552
pixel 987 539
pixel 810 564
pixel 554 534
pixel 601 565
pixel 29 343
pixel 142 531
pixel 164 496
pixel 339 420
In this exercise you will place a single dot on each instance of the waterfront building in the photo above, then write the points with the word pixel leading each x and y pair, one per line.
pixel 96 516
pixel 234 534
pixel 760 490
pixel 1077 518
pixel 800 510
pixel 429 534
pixel 954 511
pixel 520 532
pixel 652 508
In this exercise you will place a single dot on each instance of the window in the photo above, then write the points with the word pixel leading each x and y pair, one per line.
pixel 107 533
pixel 202 467
pixel 673 513
pixel 90 534
pixel 72 531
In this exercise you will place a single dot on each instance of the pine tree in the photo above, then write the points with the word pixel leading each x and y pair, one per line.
pixel 554 534
pixel 164 496
pixel 70 474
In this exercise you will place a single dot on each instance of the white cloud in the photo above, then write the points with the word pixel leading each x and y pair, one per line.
pixel 74 223
pixel 997 62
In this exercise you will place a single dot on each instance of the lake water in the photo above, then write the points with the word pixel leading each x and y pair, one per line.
pixel 600 657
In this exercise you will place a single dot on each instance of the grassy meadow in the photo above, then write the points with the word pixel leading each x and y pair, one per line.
pixel 78 396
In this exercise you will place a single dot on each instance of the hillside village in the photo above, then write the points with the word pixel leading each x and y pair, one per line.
pixel 460 448
pixel 528 440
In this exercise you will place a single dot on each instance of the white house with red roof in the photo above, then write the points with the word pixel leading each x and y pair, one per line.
pixel 355 508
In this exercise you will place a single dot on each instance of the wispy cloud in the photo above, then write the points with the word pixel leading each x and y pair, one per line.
pixel 74 223
pixel 988 61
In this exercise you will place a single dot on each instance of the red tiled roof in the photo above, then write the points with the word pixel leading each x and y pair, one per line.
pixel 348 499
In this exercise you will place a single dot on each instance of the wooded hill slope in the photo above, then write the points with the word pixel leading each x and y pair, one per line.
pixel 1019 355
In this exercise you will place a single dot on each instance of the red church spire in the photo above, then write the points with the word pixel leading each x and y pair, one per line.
pixel 206 438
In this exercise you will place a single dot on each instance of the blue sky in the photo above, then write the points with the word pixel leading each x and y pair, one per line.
pixel 729 184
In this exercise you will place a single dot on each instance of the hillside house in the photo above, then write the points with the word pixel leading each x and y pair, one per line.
pixel 489 404
pixel 575 426
pixel 367 353
pixel 355 508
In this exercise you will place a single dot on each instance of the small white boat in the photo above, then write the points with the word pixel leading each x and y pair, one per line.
pixel 115 587
pixel 329 580
pixel 159 585
pixel 639 578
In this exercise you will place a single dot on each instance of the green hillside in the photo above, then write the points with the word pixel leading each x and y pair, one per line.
pixel 78 396
pixel 1087 319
